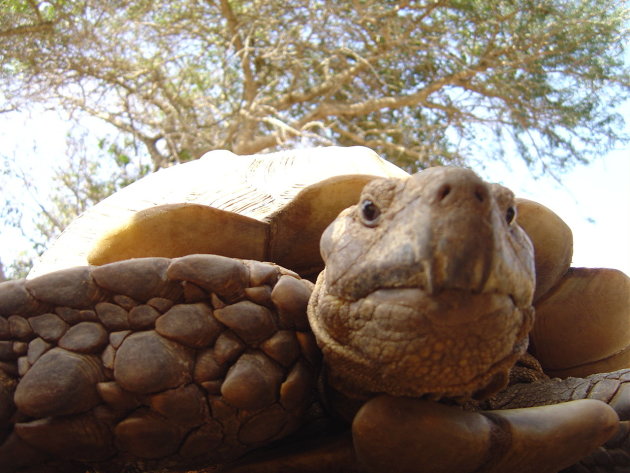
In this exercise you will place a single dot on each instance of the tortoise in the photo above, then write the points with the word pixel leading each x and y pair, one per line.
pixel 175 358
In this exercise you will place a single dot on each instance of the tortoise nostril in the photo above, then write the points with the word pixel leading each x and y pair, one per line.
pixel 444 191
pixel 480 195
pixel 448 192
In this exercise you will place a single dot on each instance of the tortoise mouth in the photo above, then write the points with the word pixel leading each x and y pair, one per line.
pixel 422 287
pixel 408 342
pixel 448 307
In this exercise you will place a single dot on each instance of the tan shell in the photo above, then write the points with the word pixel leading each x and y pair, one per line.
pixel 582 315
pixel 583 324
pixel 267 207
pixel 553 243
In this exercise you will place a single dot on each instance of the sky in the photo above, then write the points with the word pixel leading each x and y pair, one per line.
pixel 593 199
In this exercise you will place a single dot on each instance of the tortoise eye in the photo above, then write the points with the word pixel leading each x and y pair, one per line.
pixel 370 212
pixel 510 215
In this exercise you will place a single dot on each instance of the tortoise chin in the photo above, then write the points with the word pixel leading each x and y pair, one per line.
pixel 406 342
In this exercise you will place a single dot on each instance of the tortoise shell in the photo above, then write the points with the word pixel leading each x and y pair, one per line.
pixel 271 207
pixel 274 207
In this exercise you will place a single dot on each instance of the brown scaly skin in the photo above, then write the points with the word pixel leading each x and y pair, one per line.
pixel 163 363
pixel 152 363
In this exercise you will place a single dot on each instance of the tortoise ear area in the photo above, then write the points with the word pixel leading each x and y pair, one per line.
pixel 175 230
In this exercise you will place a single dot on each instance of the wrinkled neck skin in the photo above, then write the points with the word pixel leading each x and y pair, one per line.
pixel 427 289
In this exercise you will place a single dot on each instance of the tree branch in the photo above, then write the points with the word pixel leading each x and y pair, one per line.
pixel 330 84
pixel 44 27
pixel 374 143
pixel 250 89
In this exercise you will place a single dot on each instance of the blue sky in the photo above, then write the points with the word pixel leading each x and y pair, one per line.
pixel 594 200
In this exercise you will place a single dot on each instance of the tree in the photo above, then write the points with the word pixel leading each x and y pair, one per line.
pixel 421 82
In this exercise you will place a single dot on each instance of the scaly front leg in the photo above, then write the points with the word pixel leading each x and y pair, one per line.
pixel 404 435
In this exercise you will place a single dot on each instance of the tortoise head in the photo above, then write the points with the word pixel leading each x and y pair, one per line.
pixel 427 288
